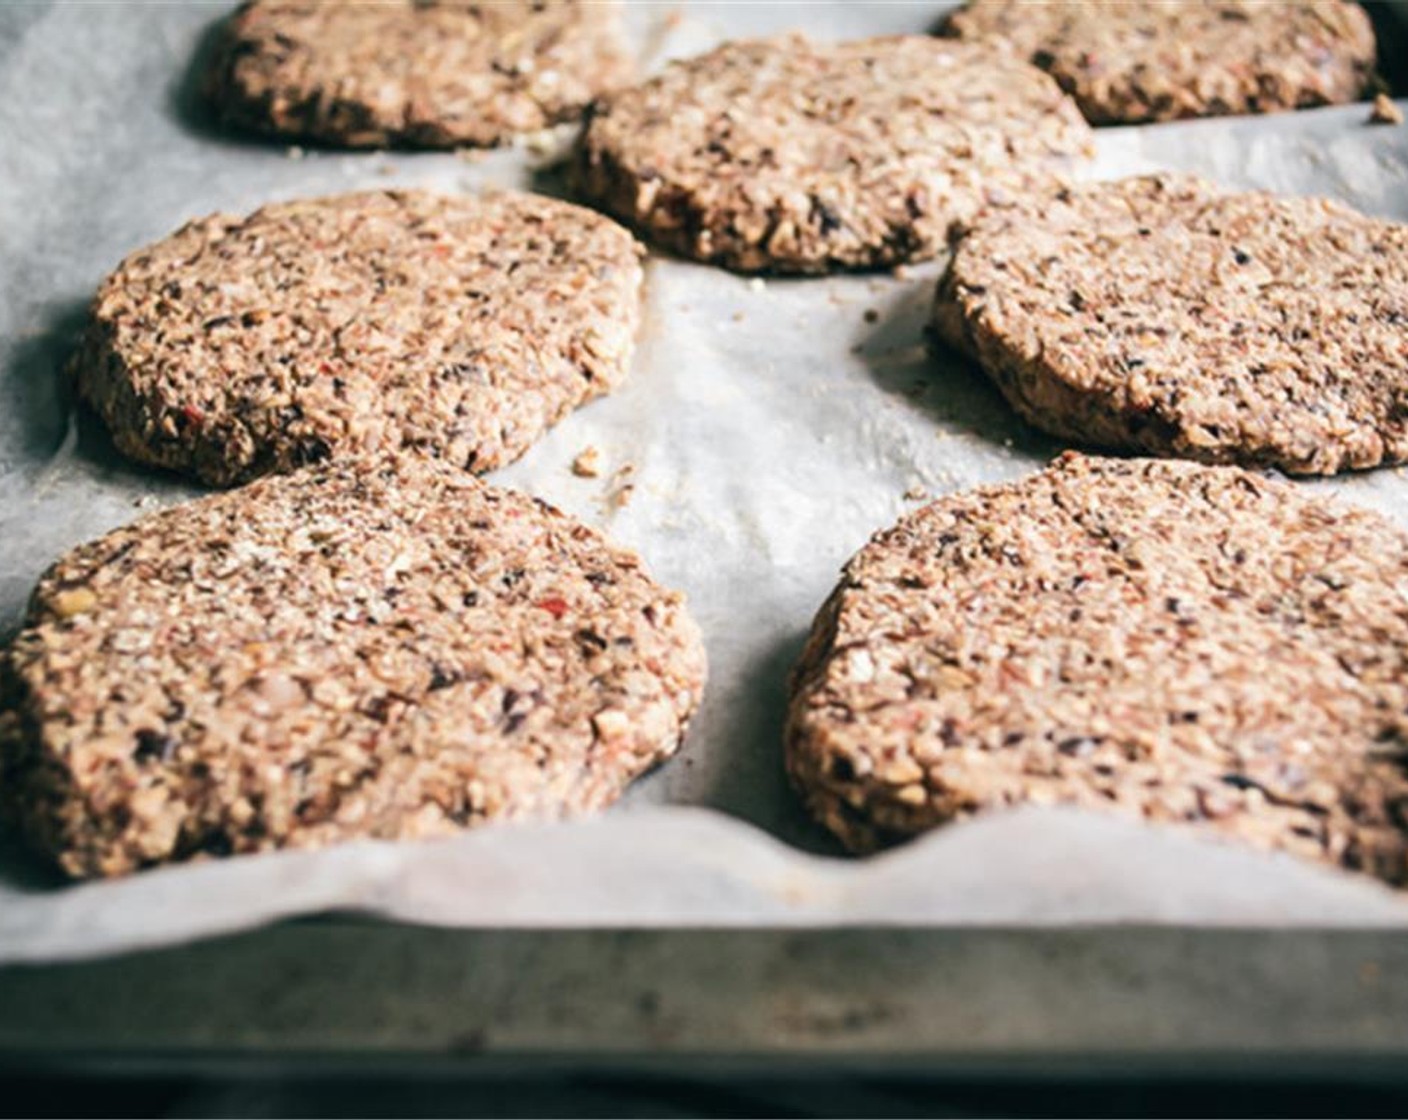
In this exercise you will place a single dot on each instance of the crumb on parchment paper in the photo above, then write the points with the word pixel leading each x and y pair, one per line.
pixel 622 487
pixel 1384 111
pixel 587 464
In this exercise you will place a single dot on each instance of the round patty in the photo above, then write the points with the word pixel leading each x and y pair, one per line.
pixel 1159 60
pixel 1182 643
pixel 1164 315
pixel 387 649
pixel 793 156
pixel 415 74
pixel 461 327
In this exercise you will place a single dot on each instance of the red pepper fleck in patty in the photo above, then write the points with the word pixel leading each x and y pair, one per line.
pixel 555 606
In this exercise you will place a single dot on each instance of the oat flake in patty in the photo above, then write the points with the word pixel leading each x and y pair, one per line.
pixel 388 649
pixel 1166 315
pixel 1196 645
pixel 793 156
pixel 460 327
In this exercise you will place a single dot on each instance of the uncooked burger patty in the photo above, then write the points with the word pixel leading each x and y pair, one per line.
pixel 794 156
pixel 1165 315
pixel 1186 644
pixel 416 74
pixel 388 649
pixel 1159 60
pixel 462 327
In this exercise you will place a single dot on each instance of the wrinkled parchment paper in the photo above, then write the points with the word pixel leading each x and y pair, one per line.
pixel 767 429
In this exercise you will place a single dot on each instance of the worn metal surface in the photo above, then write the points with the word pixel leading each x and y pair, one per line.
pixel 962 999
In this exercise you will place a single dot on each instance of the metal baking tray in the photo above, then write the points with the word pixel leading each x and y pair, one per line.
pixel 769 426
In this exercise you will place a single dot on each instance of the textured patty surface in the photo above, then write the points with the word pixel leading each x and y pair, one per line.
pixel 414 74
pixel 462 327
pixel 387 649
pixel 1162 314
pixel 1159 60
pixel 793 156
pixel 1181 643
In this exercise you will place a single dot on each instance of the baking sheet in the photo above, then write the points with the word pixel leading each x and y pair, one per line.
pixel 767 429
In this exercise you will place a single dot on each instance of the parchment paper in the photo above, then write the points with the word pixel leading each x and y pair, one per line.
pixel 767 429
